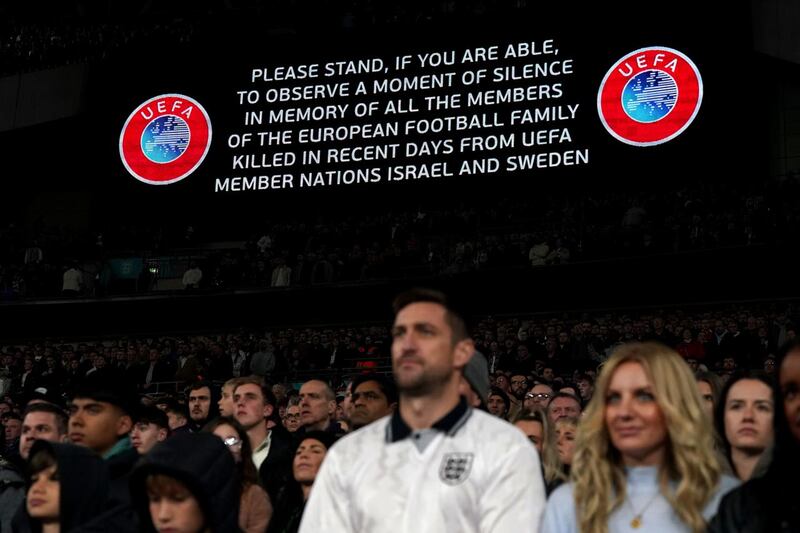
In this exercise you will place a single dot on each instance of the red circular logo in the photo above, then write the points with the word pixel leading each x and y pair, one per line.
pixel 165 139
pixel 650 96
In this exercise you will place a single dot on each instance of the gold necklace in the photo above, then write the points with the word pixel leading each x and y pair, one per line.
pixel 636 522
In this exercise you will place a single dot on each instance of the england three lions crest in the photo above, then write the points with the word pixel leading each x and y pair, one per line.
pixel 456 467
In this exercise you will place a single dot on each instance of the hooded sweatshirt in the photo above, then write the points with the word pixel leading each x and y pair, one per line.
pixel 12 493
pixel 201 462
pixel 84 489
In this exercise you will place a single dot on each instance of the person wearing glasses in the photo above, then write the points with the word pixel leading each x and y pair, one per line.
pixel 644 458
pixel 255 509
pixel 291 419
pixel 538 397
pixel 519 388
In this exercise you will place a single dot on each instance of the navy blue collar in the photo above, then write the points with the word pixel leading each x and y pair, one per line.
pixel 449 424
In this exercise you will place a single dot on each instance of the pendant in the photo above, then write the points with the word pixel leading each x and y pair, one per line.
pixel 636 522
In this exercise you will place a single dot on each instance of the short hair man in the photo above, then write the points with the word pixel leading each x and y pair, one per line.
pixel 254 404
pixel 42 421
pixel 177 417
pixel 498 404
pixel 374 396
pixel 453 466
pixel 563 405
pixel 12 426
pixel 317 407
pixel 150 426
pixel 516 396
pixel 100 418
pixel 291 420
pixel 199 403
pixel 539 396
pixel 225 403
pixel 271 446
pixel 585 387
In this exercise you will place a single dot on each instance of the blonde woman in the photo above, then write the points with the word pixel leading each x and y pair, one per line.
pixel 644 458
pixel 566 432
pixel 535 425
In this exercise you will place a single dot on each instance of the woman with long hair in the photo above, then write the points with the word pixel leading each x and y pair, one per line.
pixel 255 510
pixel 644 457
pixel 566 431
pixel 769 503
pixel 536 426
pixel 744 422
pixel 310 452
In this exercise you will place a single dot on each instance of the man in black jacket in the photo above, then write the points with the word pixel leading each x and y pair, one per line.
pixel 202 405
pixel 255 409
pixel 100 417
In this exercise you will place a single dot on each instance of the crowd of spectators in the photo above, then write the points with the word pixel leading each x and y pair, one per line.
pixel 299 390
pixel 401 244
pixel 720 338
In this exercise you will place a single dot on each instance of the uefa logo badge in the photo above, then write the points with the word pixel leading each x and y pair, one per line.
pixel 165 139
pixel 650 96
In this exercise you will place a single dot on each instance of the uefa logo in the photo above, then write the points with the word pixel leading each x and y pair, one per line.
pixel 650 96
pixel 165 139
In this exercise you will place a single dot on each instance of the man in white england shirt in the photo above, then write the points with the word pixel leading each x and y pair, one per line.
pixel 436 464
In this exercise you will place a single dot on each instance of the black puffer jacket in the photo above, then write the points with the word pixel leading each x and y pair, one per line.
pixel 84 489
pixel 201 462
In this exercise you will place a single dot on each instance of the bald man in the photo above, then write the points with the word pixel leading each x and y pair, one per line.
pixel 317 408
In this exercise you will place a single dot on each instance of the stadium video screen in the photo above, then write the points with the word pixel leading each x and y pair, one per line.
pixel 512 102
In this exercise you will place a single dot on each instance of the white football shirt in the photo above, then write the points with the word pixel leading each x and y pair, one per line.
pixel 471 472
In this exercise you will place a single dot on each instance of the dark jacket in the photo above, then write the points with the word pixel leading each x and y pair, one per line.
pixel 275 472
pixel 333 428
pixel 118 514
pixel 756 507
pixel 162 371
pixel 84 489
pixel 12 493
pixel 288 499
pixel 277 467
pixel 201 462
pixel 768 504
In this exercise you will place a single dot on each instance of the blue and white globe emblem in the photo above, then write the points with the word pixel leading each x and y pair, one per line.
pixel 649 96
pixel 165 139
